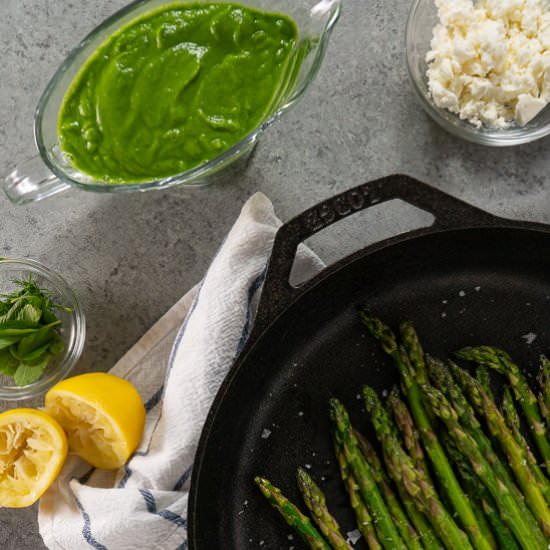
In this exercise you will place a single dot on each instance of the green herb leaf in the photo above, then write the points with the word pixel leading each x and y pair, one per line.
pixel 7 341
pixel 48 316
pixel 27 374
pixel 28 338
pixel 30 314
pixel 8 363
pixel 35 354
pixel 16 331
pixel 42 337
pixel 16 324
pixel 57 346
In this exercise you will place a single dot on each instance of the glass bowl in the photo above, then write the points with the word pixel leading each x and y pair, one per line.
pixel 72 331
pixel 49 172
pixel 421 21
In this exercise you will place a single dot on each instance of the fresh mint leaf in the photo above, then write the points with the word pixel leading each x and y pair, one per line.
pixel 27 374
pixel 8 363
pixel 30 314
pixel 16 324
pixel 35 354
pixel 11 313
pixel 48 316
pixel 57 346
pixel 16 331
pixel 42 337
pixel 28 337
pixel 7 341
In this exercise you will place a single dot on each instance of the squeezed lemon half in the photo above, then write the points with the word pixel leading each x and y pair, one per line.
pixel 103 416
pixel 33 448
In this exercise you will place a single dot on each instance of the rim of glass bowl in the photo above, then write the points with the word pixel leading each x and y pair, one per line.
pixel 451 122
pixel 75 343
pixel 188 177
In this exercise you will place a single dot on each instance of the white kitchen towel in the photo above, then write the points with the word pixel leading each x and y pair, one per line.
pixel 177 367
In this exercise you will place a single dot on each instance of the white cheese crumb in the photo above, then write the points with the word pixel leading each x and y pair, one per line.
pixel 529 338
pixel 266 433
pixel 489 60
pixel 353 536
pixel 528 107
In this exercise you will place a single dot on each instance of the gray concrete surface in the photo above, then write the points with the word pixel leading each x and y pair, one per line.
pixel 130 257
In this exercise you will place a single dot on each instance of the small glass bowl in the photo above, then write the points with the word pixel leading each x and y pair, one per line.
pixel 72 331
pixel 421 21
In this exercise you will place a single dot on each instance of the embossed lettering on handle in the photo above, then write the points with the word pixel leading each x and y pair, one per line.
pixel 339 207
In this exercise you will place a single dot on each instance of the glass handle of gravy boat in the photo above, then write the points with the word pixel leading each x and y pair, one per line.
pixel 32 181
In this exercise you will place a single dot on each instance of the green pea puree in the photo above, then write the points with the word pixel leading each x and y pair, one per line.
pixel 173 89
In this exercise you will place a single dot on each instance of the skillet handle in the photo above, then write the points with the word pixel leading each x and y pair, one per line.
pixel 278 293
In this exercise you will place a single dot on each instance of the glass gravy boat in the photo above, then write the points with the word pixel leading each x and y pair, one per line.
pixel 49 172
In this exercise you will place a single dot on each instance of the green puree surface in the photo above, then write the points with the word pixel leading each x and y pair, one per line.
pixel 173 89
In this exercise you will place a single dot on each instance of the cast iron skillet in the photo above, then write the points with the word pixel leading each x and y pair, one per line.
pixel 470 278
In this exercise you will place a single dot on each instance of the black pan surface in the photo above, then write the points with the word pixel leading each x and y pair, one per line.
pixel 484 285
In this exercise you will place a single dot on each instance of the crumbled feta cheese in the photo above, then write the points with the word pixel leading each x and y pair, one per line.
pixel 528 107
pixel 489 60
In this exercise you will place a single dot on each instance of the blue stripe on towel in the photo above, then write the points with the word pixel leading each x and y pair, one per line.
pixel 256 284
pixel 124 479
pixel 149 500
pixel 128 471
pixel 87 529
pixel 154 400
pixel 183 479
pixel 181 331
pixel 165 514
pixel 150 405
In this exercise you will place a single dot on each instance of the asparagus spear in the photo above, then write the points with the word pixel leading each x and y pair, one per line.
pixel 477 490
pixel 406 530
pixel 482 519
pixel 364 520
pixel 388 534
pixel 292 515
pixel 444 381
pixel 411 438
pixel 433 448
pixel 515 454
pixel 511 416
pixel 412 345
pixel 483 376
pixel 413 445
pixel 316 502
pixel 502 363
pixel 544 394
pixel 422 526
pixel 402 469
pixel 507 504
